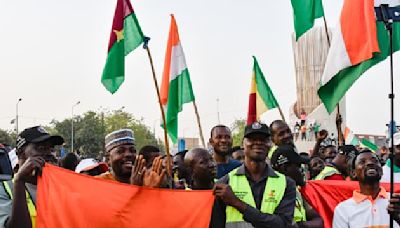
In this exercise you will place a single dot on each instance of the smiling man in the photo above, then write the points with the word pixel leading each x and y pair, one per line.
pixel 126 167
pixel 370 205
pixel 254 195
pixel 221 142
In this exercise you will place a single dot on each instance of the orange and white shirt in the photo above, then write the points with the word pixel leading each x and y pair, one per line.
pixel 361 211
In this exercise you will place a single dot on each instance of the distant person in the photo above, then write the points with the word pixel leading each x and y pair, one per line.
pixel 303 131
pixel 287 161
pixel 69 161
pixel 316 129
pixel 241 194
pixel 396 165
pixel 149 153
pixel 34 147
pixel 180 172
pixel 310 132
pixel 201 168
pixel 316 166
pixel 296 131
pixel 221 143
pixel 238 154
pixel 91 167
pixel 370 206
pixel 281 135
pixel 303 117
pixel 337 169
pixel 384 155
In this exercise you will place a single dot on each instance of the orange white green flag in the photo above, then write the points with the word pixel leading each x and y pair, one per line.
pixel 358 43
pixel 176 87
pixel 350 138
pixel 261 98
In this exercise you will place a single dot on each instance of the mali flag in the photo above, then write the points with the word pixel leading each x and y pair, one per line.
pixel 261 98
pixel 66 199
pixel 126 35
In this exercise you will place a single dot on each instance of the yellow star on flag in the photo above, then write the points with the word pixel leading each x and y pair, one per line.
pixel 119 34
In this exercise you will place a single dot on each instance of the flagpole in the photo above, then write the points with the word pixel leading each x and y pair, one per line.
pixel 339 130
pixel 146 46
pixel 199 124
pixel 280 112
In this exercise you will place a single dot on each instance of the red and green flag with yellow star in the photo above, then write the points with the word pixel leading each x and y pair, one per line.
pixel 126 36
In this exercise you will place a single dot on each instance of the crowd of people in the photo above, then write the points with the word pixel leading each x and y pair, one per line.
pixel 255 185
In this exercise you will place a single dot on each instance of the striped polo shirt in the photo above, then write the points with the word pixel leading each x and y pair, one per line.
pixel 363 211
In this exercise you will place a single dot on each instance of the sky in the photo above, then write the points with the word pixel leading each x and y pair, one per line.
pixel 52 54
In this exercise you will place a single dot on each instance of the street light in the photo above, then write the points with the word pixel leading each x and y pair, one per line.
pixel 16 116
pixel 72 126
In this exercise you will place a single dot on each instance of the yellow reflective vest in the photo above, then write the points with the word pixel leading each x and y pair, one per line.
pixel 31 205
pixel 299 210
pixel 273 194
pixel 326 172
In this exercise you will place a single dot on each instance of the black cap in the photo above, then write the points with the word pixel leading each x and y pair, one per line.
pixel 37 134
pixel 287 154
pixel 256 128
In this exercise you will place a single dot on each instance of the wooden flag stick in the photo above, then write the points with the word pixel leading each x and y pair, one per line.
pixel 327 32
pixel 280 111
pixel 169 168
pixel 199 124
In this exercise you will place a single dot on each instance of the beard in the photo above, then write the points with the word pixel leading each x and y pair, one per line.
pixel 372 179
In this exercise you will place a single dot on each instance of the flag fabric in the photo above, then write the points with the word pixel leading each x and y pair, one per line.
pixel 304 14
pixel 126 35
pixel 261 98
pixel 176 87
pixel 325 195
pixel 349 137
pixel 365 143
pixel 66 199
pixel 359 42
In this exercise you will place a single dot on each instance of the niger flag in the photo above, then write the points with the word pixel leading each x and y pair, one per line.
pixel 261 98
pixel 325 195
pixel 67 199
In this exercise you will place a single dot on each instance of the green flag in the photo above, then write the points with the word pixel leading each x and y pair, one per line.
pixel 304 13
pixel 126 35
pixel 368 144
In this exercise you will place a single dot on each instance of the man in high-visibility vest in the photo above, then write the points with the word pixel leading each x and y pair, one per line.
pixel 254 195
pixel 287 161
pixel 338 168
pixel 18 197
pixel 281 135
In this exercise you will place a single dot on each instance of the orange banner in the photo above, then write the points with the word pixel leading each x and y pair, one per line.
pixel 67 199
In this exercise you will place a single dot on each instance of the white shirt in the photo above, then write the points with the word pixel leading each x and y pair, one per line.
pixel 361 211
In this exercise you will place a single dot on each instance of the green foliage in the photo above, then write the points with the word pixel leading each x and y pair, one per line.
pixel 90 129
pixel 238 131
pixel 7 138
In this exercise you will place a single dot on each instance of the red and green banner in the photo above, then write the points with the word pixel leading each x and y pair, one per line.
pixel 261 98
pixel 126 36
pixel 68 199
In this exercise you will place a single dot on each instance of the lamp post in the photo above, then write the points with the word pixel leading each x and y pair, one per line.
pixel 16 116
pixel 72 126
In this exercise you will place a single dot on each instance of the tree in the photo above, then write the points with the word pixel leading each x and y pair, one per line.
pixel 238 131
pixel 90 129
pixel 7 138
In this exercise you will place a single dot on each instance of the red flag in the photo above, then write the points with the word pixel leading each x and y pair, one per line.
pixel 325 195
pixel 67 199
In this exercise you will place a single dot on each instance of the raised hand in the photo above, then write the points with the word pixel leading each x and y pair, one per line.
pixel 29 171
pixel 138 171
pixel 154 177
